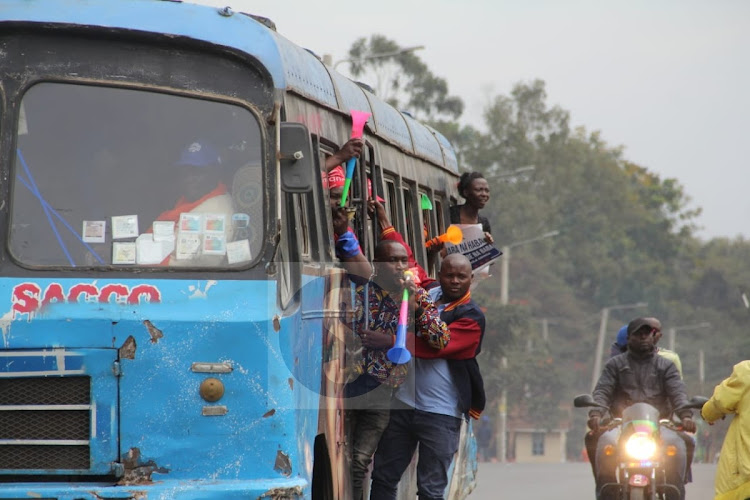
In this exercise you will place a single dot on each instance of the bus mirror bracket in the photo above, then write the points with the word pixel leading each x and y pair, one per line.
pixel 296 157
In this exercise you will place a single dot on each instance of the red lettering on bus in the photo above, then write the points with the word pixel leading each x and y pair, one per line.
pixel 114 288
pixel 25 298
pixel 82 288
pixel 152 293
pixel 53 292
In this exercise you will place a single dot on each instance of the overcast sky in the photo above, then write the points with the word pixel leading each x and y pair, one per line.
pixel 667 79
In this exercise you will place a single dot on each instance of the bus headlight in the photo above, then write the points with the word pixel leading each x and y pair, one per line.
pixel 640 446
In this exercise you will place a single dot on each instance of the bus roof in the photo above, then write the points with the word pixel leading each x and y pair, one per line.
pixel 292 68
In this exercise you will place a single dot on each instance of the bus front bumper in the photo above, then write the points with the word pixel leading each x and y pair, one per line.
pixel 161 490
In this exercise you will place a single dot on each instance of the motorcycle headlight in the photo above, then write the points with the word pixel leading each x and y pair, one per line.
pixel 640 446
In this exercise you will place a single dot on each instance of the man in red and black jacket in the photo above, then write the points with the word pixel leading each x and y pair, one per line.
pixel 443 387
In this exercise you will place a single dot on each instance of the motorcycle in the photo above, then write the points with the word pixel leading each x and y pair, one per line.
pixel 639 454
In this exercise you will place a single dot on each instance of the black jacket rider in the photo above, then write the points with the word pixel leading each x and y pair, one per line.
pixel 641 378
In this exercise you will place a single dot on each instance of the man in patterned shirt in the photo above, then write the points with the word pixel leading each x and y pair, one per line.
pixel 369 395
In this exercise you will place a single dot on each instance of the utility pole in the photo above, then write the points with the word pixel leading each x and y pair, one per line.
pixel 500 439
pixel 672 332
pixel 602 333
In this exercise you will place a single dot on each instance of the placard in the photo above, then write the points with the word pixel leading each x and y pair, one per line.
pixel 474 246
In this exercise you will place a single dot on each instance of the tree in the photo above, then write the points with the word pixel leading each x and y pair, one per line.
pixel 403 80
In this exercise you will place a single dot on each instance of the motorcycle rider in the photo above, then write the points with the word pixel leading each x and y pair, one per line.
pixel 639 375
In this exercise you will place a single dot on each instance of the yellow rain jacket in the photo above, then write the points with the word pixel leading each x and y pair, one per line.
pixel 732 396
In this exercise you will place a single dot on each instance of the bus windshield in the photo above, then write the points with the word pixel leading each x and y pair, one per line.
pixel 118 178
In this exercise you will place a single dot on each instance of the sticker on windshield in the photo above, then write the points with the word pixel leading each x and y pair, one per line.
pixel 188 246
pixel 190 223
pixel 123 252
pixel 164 230
pixel 150 251
pixel 238 251
pixel 94 231
pixel 214 223
pixel 124 226
pixel 240 226
pixel 214 244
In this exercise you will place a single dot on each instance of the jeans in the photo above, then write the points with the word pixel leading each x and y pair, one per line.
pixel 367 428
pixel 367 412
pixel 437 436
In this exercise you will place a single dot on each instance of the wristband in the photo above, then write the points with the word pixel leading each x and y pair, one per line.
pixel 347 246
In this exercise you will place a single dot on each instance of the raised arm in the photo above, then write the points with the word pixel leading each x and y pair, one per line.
pixel 728 394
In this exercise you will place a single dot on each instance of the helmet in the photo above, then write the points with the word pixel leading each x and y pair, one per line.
pixel 199 154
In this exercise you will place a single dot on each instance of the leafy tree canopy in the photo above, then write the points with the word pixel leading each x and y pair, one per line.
pixel 402 79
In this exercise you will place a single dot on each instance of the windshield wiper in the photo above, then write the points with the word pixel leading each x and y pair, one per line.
pixel 49 211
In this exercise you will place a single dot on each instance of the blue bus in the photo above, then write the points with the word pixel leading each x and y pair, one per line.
pixel 156 343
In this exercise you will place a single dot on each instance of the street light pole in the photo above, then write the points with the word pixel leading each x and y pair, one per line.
pixel 672 332
pixel 504 269
pixel 382 55
pixel 500 437
pixel 514 173
pixel 504 263
pixel 602 333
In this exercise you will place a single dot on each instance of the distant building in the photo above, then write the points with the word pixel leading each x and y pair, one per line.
pixel 528 444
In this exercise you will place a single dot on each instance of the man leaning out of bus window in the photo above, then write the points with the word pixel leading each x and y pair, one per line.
pixel 369 395
pixel 348 250
pixel 442 387
pixel 376 209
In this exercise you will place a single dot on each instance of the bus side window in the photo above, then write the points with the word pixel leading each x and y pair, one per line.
pixel 325 151
pixel 357 199
pixel 410 216
pixel 440 218
pixel 391 204
pixel 441 215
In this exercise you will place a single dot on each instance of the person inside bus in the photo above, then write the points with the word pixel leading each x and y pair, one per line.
pixel 351 149
pixel 377 307
pixel 442 387
pixel 475 189
pixel 346 244
pixel 201 190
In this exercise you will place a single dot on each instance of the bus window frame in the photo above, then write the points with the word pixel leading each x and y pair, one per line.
pixel 429 217
pixel 85 75
pixel 364 228
pixel 324 149
pixel 288 256
pixel 393 205
pixel 376 175
pixel 442 220
pixel 409 207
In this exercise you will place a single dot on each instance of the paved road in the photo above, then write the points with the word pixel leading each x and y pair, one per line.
pixel 570 481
